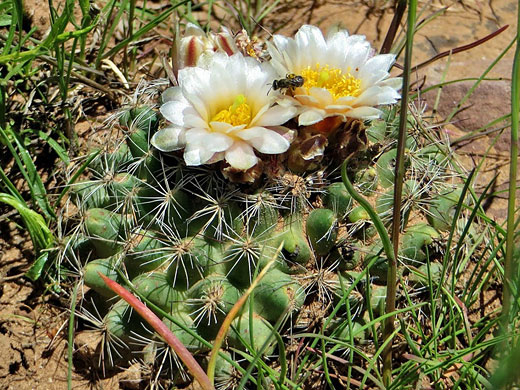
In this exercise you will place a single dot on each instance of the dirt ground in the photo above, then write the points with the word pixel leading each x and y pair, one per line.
pixel 33 351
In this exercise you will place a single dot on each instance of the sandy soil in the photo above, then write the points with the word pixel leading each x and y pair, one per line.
pixel 32 345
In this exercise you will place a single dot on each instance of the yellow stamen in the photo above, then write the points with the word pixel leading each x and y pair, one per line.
pixel 239 113
pixel 338 83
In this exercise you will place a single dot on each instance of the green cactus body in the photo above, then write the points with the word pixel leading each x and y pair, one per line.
pixel 321 230
pixel 379 268
pixel 348 255
pixel 158 289
pixel 385 203
pixel 357 214
pixel 211 299
pixel 106 266
pixel 159 207
pixel 145 252
pixel 254 336
pixel 414 242
pixel 442 209
pixel 122 185
pixel 89 195
pixel 141 124
pixel 192 239
pixel 377 131
pixel 338 199
pixel 385 167
pixel 435 272
pixel 378 299
pixel 188 262
pixel 356 331
pixel 214 252
pixel 296 249
pixel 150 168
pixel 119 322
pixel 116 161
pixel 367 180
pixel 106 229
pixel 277 294
pixel 226 376
pixel 340 285
pixel 245 259
pixel 187 339
pixel 263 218
pixel 78 247
pixel 226 221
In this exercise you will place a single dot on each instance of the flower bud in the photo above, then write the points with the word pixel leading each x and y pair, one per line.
pixel 224 41
pixel 196 46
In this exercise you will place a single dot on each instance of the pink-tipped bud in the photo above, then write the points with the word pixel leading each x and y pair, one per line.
pixel 190 51
pixel 224 41
pixel 196 47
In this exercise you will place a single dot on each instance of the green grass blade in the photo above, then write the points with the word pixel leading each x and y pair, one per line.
pixel 515 106
pixel 29 171
pixel 152 24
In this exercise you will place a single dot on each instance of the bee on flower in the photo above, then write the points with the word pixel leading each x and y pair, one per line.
pixel 341 76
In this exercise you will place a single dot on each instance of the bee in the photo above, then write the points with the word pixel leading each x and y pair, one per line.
pixel 289 82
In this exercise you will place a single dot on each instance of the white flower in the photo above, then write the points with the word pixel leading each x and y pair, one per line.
pixel 342 78
pixel 224 111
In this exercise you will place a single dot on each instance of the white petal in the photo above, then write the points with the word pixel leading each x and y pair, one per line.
pixel 357 55
pixel 394 82
pixel 375 95
pixel 193 29
pixel 197 155
pixel 287 133
pixel 344 100
pixel 173 111
pixel 375 69
pixel 337 107
pixel 195 83
pixel 277 60
pixel 378 63
pixel 216 158
pixel 364 113
pixel 310 117
pixel 241 156
pixel 307 100
pixel 335 32
pixel 217 142
pixel 169 139
pixel 225 128
pixel 264 140
pixel 312 37
pixel 194 120
pixel 388 95
pixel 172 93
pixel 323 95
pixel 275 116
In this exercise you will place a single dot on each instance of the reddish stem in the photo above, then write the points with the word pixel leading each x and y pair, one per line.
pixel 159 326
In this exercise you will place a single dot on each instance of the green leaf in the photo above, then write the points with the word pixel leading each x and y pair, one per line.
pixel 5 20
pixel 36 269
pixel 62 153
pixel 41 236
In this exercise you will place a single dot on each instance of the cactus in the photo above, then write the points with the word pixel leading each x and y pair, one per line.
pixel 190 240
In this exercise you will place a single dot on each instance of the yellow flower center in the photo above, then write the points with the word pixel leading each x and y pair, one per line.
pixel 339 84
pixel 239 113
